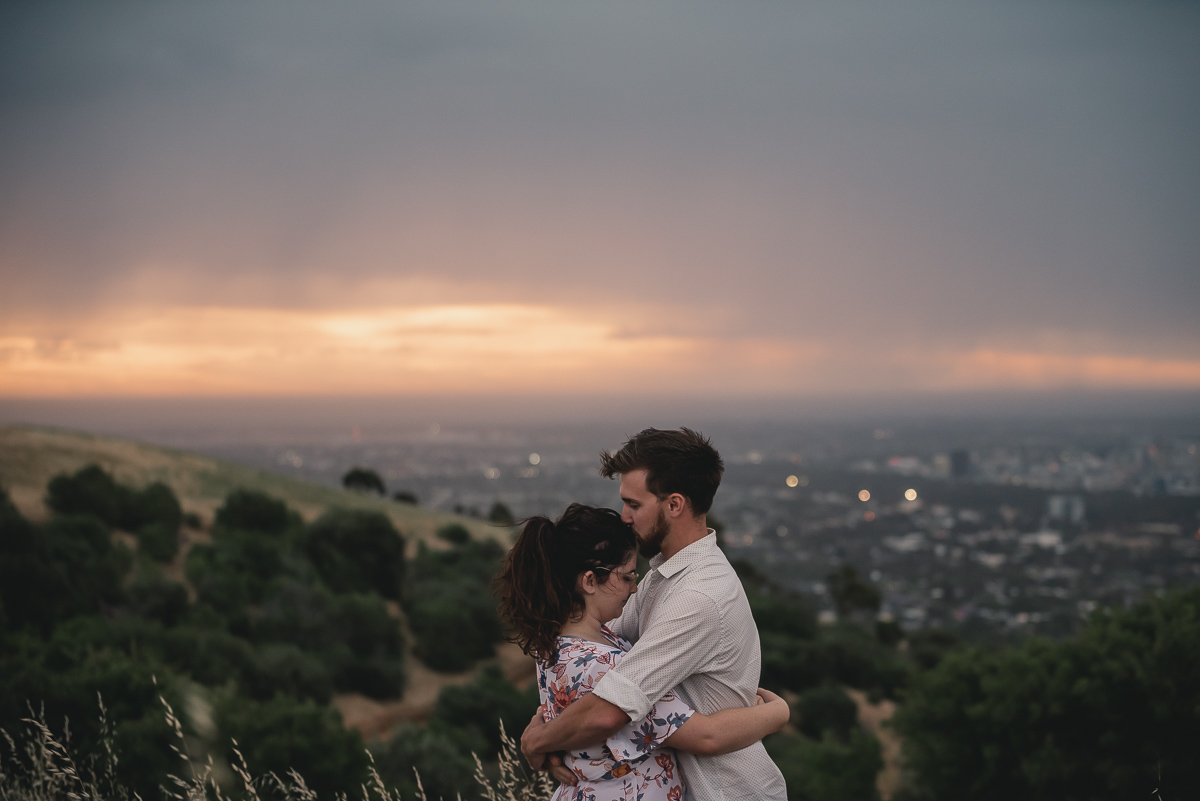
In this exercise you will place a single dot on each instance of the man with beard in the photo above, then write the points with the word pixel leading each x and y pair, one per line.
pixel 689 621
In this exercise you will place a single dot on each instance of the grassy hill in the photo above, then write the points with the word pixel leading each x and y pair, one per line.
pixel 30 456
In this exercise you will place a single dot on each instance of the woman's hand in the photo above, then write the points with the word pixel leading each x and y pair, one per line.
pixel 783 712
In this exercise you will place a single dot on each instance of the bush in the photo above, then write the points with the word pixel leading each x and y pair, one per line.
pixel 828 770
pixel 156 504
pixel 357 551
pixel 154 597
pixel 450 591
pixel 482 705
pixel 501 515
pixel 286 733
pixel 92 491
pixel 826 709
pixel 284 668
pixel 360 479
pixel 454 626
pixel 44 679
pixel 89 491
pixel 247 510
pixel 159 541
pixel 446 770
pixel 353 635
pixel 454 533
pixel 1110 713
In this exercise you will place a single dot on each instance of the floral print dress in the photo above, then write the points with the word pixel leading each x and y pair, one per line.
pixel 632 765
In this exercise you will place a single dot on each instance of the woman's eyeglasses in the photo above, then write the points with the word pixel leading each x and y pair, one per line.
pixel 630 577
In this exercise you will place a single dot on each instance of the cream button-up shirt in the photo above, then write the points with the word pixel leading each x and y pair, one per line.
pixel 693 632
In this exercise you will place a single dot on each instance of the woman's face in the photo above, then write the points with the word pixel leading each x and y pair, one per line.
pixel 615 591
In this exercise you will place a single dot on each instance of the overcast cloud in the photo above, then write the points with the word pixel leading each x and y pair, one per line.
pixel 1003 175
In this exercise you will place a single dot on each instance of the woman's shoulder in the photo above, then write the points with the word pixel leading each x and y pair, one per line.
pixel 581 651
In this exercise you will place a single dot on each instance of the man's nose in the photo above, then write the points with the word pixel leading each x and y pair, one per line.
pixel 626 516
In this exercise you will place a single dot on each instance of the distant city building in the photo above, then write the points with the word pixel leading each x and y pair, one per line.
pixel 1070 508
pixel 960 464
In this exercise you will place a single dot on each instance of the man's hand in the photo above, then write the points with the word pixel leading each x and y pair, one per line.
pixel 536 759
pixel 540 761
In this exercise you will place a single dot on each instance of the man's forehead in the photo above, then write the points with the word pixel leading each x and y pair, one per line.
pixel 634 483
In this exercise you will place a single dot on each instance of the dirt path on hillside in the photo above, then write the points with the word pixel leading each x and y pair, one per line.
pixel 873 717
pixel 376 719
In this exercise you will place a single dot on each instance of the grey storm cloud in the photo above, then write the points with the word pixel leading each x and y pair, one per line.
pixel 915 170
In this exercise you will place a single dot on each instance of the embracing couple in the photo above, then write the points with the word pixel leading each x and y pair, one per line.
pixel 649 691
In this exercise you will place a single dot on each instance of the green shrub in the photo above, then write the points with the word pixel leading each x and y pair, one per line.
pixel 248 510
pixel 156 504
pixel 826 709
pixel 357 551
pixel 353 635
pixel 450 591
pixel 158 541
pixel 454 533
pixel 827 769
pixel 480 706
pixel 89 491
pixel 361 479
pixel 285 733
pixel 284 668
pixel 1110 713
pixel 154 597
pixel 446 768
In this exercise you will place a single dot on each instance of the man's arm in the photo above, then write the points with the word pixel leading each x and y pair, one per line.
pixel 588 721
pixel 683 640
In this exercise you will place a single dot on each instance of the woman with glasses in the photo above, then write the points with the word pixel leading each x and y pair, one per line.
pixel 561 583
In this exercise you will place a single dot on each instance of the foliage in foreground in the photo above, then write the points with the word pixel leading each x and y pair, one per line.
pixel 40 765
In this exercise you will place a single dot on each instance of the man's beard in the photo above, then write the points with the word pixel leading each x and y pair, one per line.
pixel 651 545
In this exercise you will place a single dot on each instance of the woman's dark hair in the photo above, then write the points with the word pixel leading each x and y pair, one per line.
pixel 537 583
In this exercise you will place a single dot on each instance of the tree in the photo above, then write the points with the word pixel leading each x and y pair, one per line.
pixel 248 510
pixel 357 551
pixel 501 515
pixel 1110 713
pixel 361 479
pixel 850 593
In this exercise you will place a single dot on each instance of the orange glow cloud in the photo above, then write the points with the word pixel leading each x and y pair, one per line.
pixel 448 348
pixel 502 348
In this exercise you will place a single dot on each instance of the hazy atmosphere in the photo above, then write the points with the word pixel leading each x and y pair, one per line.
pixel 788 200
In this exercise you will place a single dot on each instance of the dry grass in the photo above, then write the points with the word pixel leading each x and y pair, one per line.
pixel 39 765
pixel 30 456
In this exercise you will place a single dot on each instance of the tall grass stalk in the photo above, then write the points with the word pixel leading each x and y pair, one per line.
pixel 38 766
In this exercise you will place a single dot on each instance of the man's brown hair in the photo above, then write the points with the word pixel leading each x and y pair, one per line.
pixel 676 461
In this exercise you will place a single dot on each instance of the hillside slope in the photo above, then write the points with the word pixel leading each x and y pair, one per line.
pixel 30 456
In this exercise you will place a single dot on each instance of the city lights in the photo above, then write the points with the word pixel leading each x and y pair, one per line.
pixel 864 495
pixel 793 481
pixel 534 458
pixel 910 495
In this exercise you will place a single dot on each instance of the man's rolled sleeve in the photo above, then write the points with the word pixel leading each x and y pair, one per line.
pixel 686 633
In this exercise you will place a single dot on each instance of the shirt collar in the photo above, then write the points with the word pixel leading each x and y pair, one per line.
pixel 691 553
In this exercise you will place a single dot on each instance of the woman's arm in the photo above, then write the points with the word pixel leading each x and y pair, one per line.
pixel 731 729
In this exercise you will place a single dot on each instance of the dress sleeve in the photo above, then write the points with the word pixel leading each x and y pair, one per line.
pixel 642 736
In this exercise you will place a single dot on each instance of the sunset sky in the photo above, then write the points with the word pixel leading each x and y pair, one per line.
pixel 770 199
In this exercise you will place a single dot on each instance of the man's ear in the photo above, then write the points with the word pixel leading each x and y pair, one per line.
pixel 677 505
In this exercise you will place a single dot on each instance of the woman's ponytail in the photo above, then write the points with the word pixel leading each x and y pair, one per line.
pixel 536 585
